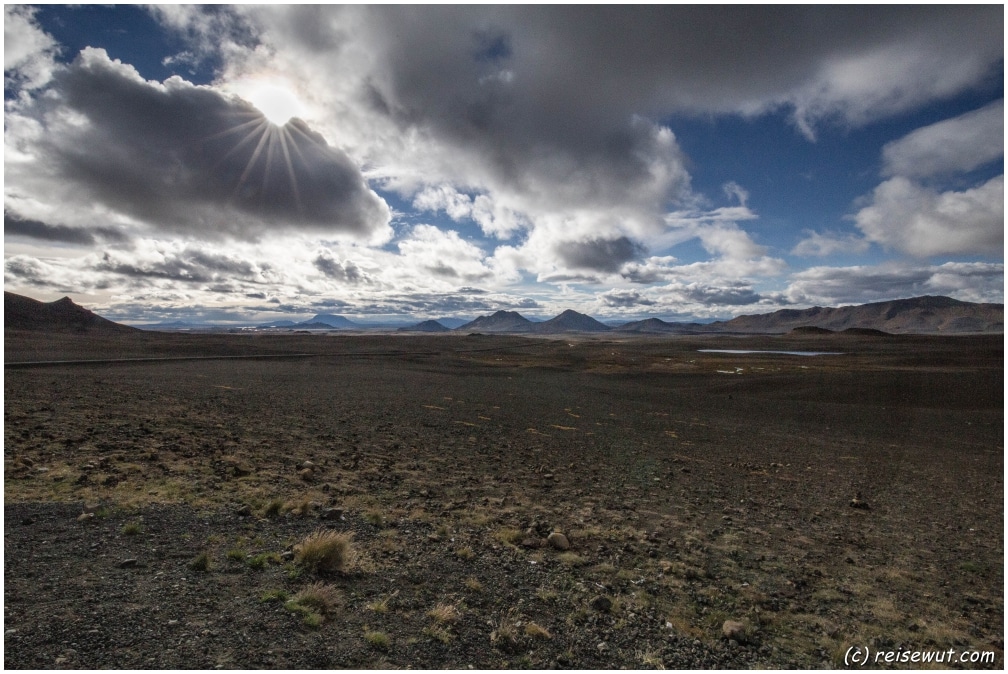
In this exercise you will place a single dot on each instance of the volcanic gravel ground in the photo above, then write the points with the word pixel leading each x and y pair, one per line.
pixel 822 502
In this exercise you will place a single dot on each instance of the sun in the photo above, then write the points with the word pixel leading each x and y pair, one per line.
pixel 274 99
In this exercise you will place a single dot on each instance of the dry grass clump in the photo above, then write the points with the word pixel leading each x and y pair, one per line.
pixel 315 603
pixel 382 605
pixel 201 562
pixel 325 551
pixel 537 631
pixel 377 639
pixel 319 597
pixel 505 634
pixel 444 614
pixel 133 528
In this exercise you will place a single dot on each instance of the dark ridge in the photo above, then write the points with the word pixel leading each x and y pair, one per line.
pixel 811 330
pixel 426 326
pixel 24 313
pixel 865 332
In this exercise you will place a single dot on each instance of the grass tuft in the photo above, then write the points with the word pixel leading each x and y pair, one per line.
pixel 325 551
pixel 444 614
pixel 132 528
pixel 537 631
pixel 201 562
pixel 376 639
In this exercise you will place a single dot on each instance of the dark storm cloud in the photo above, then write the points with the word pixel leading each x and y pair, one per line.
pixel 190 159
pixel 569 78
pixel 603 255
pixel 16 226
pixel 724 296
pixel 625 298
pixel 345 271
pixel 190 266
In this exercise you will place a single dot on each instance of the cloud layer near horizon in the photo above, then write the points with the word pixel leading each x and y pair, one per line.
pixel 534 146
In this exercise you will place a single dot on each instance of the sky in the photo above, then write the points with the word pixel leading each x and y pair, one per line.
pixel 252 163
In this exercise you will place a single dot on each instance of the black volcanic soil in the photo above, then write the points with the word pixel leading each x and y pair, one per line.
pixel 823 502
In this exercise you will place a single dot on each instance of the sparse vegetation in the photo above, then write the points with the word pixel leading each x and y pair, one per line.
pixel 382 605
pixel 508 535
pixel 745 533
pixel 274 594
pixel 260 561
pixel 133 528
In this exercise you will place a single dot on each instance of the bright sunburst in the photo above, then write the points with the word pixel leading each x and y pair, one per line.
pixel 272 98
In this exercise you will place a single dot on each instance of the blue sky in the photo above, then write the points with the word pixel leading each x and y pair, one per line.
pixel 625 162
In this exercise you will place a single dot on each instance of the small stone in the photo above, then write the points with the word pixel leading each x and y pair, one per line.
pixel 332 514
pixel 128 563
pixel 601 603
pixel 309 465
pixel 859 504
pixel 733 630
pixel 558 541
pixel 306 474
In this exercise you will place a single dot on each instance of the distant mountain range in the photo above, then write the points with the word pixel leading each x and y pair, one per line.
pixel 924 315
pixel 318 322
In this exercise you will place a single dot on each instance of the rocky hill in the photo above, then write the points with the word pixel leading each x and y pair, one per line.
pixel 24 313
pixel 426 326
pixel 925 315
pixel 501 321
pixel 569 321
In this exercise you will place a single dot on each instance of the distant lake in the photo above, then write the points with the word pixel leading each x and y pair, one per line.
pixel 785 353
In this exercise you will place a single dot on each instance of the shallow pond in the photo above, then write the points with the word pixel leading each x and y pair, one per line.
pixel 786 353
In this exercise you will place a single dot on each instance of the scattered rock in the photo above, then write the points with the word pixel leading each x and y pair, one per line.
pixel 601 603
pixel 558 541
pixel 733 630
pixel 332 514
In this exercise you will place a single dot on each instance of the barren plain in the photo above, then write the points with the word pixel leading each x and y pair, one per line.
pixel 153 509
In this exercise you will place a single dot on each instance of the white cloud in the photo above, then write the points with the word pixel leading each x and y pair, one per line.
pixel 443 254
pixel 831 286
pixel 956 145
pixel 923 222
pixel 829 243
pixel 28 50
